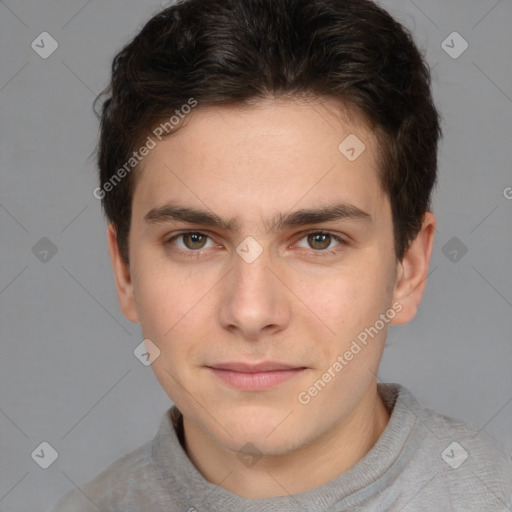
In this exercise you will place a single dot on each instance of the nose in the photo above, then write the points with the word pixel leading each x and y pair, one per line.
pixel 254 301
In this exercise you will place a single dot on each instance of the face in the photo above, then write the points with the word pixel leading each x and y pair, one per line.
pixel 256 310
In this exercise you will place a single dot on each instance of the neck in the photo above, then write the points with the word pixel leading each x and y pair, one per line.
pixel 332 454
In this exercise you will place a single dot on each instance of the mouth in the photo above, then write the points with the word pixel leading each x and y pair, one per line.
pixel 255 377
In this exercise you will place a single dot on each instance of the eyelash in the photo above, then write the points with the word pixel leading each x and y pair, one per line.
pixel 318 253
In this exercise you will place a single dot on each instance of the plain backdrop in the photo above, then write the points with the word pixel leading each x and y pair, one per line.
pixel 68 375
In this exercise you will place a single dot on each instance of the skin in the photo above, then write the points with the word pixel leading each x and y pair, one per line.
pixel 289 305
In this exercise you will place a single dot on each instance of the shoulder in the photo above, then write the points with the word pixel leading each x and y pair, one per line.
pixel 109 488
pixel 463 461
pixel 476 468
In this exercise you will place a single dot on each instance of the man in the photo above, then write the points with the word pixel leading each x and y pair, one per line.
pixel 266 168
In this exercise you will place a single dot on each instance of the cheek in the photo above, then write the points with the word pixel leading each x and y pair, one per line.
pixel 155 299
pixel 174 312
pixel 345 297
pixel 348 302
pixel 164 295
pixel 166 306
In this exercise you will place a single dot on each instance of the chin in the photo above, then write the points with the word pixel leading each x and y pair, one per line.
pixel 258 445
pixel 267 439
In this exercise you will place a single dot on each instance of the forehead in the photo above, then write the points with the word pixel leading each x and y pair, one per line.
pixel 269 157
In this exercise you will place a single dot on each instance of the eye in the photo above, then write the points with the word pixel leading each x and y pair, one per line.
pixel 193 241
pixel 320 242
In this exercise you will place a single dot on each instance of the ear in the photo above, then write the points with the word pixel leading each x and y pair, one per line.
pixel 413 270
pixel 123 278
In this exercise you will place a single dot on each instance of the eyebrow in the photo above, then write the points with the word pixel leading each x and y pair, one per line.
pixel 338 211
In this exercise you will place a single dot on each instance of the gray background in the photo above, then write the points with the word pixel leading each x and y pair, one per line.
pixel 68 375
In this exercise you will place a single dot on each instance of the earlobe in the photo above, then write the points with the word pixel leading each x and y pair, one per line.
pixel 123 278
pixel 412 271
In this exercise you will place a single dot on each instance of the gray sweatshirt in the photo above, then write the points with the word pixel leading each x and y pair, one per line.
pixel 422 462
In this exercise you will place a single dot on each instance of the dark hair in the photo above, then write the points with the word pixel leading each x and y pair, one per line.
pixel 218 52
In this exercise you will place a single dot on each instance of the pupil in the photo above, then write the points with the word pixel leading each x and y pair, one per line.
pixel 195 237
pixel 321 237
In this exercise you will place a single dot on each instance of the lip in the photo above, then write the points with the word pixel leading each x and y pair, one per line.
pixel 266 366
pixel 255 377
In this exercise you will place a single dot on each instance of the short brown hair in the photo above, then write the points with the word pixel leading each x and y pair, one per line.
pixel 238 51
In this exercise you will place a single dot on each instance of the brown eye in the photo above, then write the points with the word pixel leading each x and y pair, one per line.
pixel 194 241
pixel 189 243
pixel 319 241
